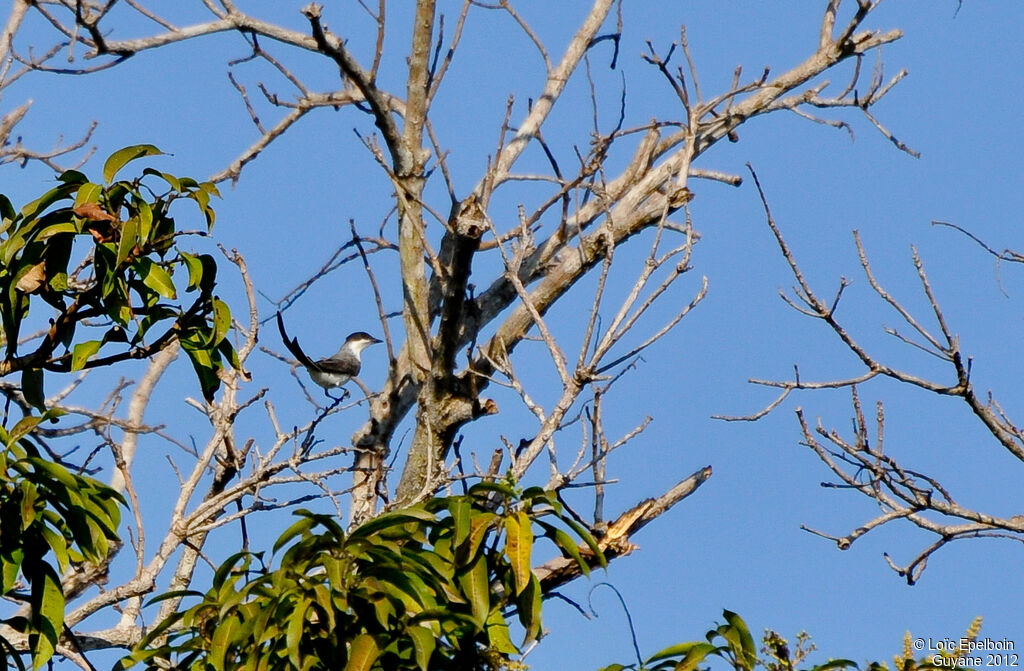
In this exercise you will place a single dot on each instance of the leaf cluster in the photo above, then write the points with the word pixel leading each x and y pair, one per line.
pixel 46 510
pixel 106 254
pixel 425 587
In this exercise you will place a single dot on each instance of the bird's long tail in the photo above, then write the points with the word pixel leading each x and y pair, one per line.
pixel 293 345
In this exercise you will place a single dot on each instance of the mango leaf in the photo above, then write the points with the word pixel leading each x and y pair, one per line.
pixel 221 321
pixel 32 210
pixel 88 193
pixel 396 517
pixel 588 539
pixel 32 387
pixel 459 508
pixel 362 653
pixel 29 497
pixel 479 526
pixel 678 649
pixel 518 544
pixel 57 257
pixel 206 370
pixel 54 229
pixel 529 607
pixel 6 209
pixel 566 544
pixel 740 639
pixel 82 352
pixel 473 582
pixel 58 545
pixel 24 426
pixel 695 656
pixel 145 214
pixel 48 614
pixel 222 640
pixel 423 643
pixel 10 565
pixel 497 634
pixel 170 179
pixel 294 631
pixel 120 157
pixel 202 272
pixel 129 240
pixel 156 278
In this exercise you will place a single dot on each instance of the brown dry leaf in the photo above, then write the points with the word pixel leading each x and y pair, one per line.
pixel 93 211
pixel 102 231
pixel 33 279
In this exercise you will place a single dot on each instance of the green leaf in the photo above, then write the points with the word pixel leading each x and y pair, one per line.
pixel 423 643
pixel 57 257
pixel 10 565
pixel 156 278
pixel 83 352
pixel 55 229
pixel 206 371
pixel 836 664
pixel 6 209
pixel 48 614
pixel 293 634
pixel 703 649
pixel 497 634
pixel 24 427
pixel 746 650
pixel 566 544
pixel 300 527
pixel 30 211
pixel 518 544
pixel 59 546
pixel 221 321
pixel 88 193
pixel 475 587
pixel 529 605
pixel 170 179
pixel 222 640
pixel 695 656
pixel 129 239
pixel 120 157
pixel 145 220
pixel 588 539
pixel 479 526
pixel 362 653
pixel 72 177
pixel 202 271
pixel 32 387
pixel 227 350
pixel 390 519
pixel 481 488
pixel 460 510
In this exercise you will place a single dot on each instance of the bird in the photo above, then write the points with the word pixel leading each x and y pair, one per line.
pixel 335 370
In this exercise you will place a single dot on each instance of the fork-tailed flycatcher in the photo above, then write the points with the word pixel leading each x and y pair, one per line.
pixel 336 370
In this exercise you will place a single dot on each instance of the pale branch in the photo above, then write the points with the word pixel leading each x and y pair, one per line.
pixel 617 539
pixel 902 494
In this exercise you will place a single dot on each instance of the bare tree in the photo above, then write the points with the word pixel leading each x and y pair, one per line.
pixel 864 462
pixel 455 342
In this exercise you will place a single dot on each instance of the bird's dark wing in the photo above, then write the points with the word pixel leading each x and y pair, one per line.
pixel 293 345
pixel 348 365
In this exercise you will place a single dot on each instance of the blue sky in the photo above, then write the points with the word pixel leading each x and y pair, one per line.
pixel 737 543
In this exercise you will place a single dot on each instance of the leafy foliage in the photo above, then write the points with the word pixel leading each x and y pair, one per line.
pixel 46 510
pixel 427 587
pixel 732 643
pixel 108 252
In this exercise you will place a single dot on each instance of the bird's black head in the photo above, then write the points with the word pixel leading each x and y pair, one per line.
pixel 362 337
